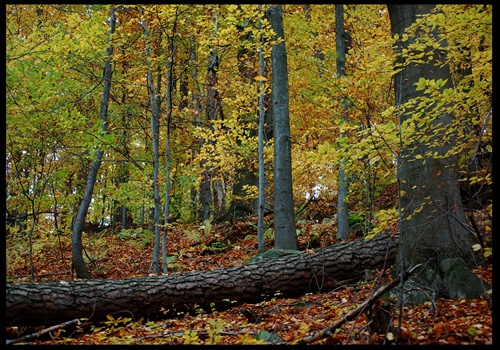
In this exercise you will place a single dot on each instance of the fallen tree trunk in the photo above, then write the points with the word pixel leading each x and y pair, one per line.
pixel 43 303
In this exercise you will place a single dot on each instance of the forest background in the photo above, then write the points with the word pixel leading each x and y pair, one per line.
pixel 55 61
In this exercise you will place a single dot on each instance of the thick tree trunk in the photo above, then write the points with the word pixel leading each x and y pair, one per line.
pixel 284 215
pixel 433 229
pixel 44 303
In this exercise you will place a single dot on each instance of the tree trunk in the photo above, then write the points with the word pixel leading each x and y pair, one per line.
pixel 170 91
pixel 212 188
pixel 284 215
pixel 44 303
pixel 343 185
pixel 77 247
pixel 262 178
pixel 154 96
pixel 433 229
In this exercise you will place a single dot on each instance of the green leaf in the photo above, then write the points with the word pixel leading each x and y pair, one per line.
pixel 448 92
pixel 422 83
pixel 487 252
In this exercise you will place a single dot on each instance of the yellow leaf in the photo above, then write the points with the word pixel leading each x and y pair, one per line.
pixel 260 78
pixel 232 8
pixel 487 252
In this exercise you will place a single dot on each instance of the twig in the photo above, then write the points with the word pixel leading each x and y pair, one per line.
pixel 328 332
pixel 43 331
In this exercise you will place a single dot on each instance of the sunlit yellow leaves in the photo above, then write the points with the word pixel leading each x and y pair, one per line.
pixel 260 78
pixel 353 117
pixel 250 192
pixel 325 147
pixel 385 221
pixel 480 179
pixel 430 85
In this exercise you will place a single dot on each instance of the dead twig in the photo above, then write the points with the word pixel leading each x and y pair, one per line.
pixel 43 331
pixel 328 332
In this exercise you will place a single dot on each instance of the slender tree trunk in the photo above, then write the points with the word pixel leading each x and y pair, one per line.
pixel 170 87
pixel 343 185
pixel 30 239
pixel 155 131
pixel 214 110
pixel 213 185
pixel 123 169
pixel 433 227
pixel 197 194
pixel 77 247
pixel 284 215
pixel 262 179
pixel 167 198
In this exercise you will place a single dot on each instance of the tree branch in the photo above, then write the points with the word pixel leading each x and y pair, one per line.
pixel 328 332
pixel 46 330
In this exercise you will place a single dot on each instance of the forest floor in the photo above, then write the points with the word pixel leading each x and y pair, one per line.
pixel 275 321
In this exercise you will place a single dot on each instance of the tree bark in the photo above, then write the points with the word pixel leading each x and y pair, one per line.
pixel 45 303
pixel 261 132
pixel 154 94
pixel 433 229
pixel 77 247
pixel 284 215
pixel 343 184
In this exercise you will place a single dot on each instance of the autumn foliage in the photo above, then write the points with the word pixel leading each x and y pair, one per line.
pixel 55 56
pixel 438 322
